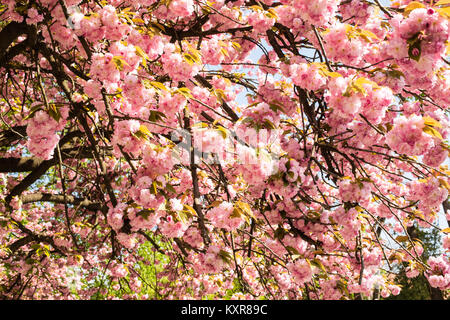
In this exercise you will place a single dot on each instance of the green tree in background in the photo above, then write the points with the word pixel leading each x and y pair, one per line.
pixel 418 288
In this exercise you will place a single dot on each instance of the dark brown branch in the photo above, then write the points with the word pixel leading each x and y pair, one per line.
pixel 58 198
pixel 195 187
pixel 230 112
pixel 10 33
pixel 32 177
pixel 13 247
pixel 8 137
pixel 29 42
pixel 19 164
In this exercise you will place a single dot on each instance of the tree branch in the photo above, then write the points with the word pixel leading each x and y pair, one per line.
pixel 58 198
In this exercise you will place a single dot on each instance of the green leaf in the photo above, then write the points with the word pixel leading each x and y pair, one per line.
pixel 220 94
pixel 431 122
pixel 432 131
pixel 414 47
pixel 143 133
pixel 446 230
pixel 357 86
pixel 445 12
pixel 396 74
pixel 318 264
pixel 236 45
pixel 292 251
pixel 442 2
pixel 33 111
pixel 185 92
pixel 158 85
pixel 223 132
pixel 280 233
pixel 120 62
pixel 145 213
pixel 402 238
pixel 53 111
pixel 145 130
pixel 225 256
pixel 189 209
pixel 367 35
pixel 237 213
pixel 276 106
pixel 156 116
pixel 332 74
pixel 141 52
pixel 269 124
pixel 170 188
pixel 412 6
pixel 154 188
pixel 182 216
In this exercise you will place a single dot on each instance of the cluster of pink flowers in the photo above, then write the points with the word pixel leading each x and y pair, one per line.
pixel 42 131
pixel 261 113
pixel 254 167
pixel 439 274
pixel 376 103
pixel 347 219
pixel 301 271
pixel 435 156
pixel 157 161
pixel 149 221
pixel 204 96
pixel 417 43
pixel 173 229
pixel 270 92
pixel 211 53
pixel 430 193
pixel 114 29
pixel 354 191
pixel 222 217
pixel 318 12
pixel 260 21
pixel 407 136
pixel 175 9
pixel 340 46
pixel 153 46
pixel 103 68
pixel 446 242
pixel 34 16
pixel 177 66
pixel 356 11
pixel 118 270
pixel 211 261
pixel 307 76
pixel 428 25
pixel 124 136
pixel 336 99
pixel 347 106
pixel 209 140
pixel 193 237
pixel 290 17
pixel 129 241
pixel 136 97
pixel 115 216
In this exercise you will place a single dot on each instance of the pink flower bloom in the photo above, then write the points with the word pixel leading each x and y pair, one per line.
pixel 222 217
pixel 446 242
pixel 301 271
pixel 407 136
pixel 34 16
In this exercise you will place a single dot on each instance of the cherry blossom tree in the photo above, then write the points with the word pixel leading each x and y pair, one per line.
pixel 177 149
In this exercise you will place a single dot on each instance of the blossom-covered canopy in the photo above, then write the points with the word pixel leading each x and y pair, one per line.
pixel 177 149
